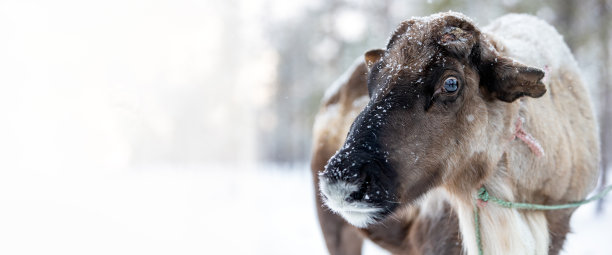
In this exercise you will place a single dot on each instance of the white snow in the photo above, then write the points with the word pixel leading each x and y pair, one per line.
pixel 161 210
pixel 190 210
pixel 590 232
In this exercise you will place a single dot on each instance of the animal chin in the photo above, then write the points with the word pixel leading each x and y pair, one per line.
pixel 359 219
pixel 358 213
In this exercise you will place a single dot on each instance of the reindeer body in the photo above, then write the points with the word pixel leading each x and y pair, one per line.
pixel 563 122
pixel 440 220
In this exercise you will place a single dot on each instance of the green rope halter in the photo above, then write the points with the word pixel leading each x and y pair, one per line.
pixel 483 196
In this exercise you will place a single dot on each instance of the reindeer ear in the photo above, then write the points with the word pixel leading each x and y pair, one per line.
pixel 507 79
pixel 373 56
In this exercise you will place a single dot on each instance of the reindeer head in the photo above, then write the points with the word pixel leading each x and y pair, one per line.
pixel 438 96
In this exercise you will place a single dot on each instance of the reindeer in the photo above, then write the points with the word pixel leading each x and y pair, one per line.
pixel 445 109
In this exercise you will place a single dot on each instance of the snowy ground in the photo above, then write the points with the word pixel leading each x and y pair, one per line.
pixel 195 210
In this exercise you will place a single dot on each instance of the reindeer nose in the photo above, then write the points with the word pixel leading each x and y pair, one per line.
pixel 341 168
pixel 354 178
pixel 358 195
pixel 359 186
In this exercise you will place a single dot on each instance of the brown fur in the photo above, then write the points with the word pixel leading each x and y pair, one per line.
pixel 404 233
pixel 459 141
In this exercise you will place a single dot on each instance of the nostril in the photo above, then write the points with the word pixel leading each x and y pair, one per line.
pixel 359 194
pixel 355 196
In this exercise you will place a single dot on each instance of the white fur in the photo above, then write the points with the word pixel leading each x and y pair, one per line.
pixel 503 230
pixel 356 213
pixel 432 203
pixel 532 41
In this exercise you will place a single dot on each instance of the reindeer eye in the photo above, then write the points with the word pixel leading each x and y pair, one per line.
pixel 451 84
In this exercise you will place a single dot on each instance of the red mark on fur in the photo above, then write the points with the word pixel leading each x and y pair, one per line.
pixel 531 142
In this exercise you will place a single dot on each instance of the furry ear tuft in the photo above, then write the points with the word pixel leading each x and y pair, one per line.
pixel 505 78
pixel 373 56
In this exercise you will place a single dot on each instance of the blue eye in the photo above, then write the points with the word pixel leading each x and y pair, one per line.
pixel 451 84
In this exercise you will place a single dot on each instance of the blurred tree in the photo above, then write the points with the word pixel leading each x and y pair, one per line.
pixel 313 50
pixel 566 20
pixel 606 91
